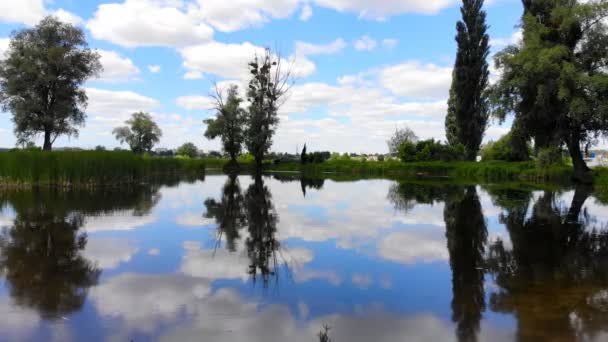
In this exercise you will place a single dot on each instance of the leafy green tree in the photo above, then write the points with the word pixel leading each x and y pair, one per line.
pixel 187 149
pixel 41 79
pixel 228 123
pixel 303 155
pixel 467 116
pixel 141 132
pixel 266 93
pixel 502 149
pixel 555 82
pixel 401 135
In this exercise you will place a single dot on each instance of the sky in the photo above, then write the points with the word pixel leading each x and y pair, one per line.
pixel 361 68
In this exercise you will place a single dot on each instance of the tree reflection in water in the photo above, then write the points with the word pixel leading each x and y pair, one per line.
pixel 554 279
pixel 466 234
pixel 261 243
pixel 41 254
pixel 255 211
pixel 229 213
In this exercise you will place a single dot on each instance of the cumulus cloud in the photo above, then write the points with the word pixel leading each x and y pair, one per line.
pixel 411 246
pixel 306 12
pixel 116 68
pixel 230 60
pixel 416 80
pixel 365 43
pixel 109 252
pixel 389 43
pixel 116 105
pixel 229 16
pixel 308 49
pixel 501 42
pixel 4 42
pixel 195 102
pixel 382 9
pixel 29 12
pixel 154 68
pixel 148 23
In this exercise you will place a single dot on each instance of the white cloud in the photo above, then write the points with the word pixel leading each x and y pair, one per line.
pixel 415 80
pixel 18 322
pixel 308 49
pixel 120 221
pixel 390 43
pixel 365 43
pixel 109 252
pixel 381 9
pixel 423 245
pixel 230 60
pixel 190 219
pixel 229 16
pixel 116 68
pixel 30 12
pixel 148 23
pixel 115 105
pixel 4 43
pixel 195 102
pixel 501 42
pixel 306 12
pixel 362 281
pixel 154 68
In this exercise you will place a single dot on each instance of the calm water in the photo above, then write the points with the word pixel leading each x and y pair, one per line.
pixel 275 259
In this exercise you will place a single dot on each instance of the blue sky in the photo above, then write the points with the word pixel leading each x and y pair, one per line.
pixel 363 67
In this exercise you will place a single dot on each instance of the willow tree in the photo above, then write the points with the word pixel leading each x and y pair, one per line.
pixel 269 82
pixel 41 80
pixel 467 115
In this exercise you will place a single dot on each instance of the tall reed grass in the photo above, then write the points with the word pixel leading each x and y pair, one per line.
pixel 87 168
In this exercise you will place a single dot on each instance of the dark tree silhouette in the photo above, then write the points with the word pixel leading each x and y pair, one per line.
pixel 229 212
pixel 466 234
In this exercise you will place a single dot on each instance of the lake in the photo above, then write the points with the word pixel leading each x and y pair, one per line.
pixel 277 258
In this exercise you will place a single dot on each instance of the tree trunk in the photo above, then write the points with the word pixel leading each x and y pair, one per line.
pixel 581 171
pixel 48 145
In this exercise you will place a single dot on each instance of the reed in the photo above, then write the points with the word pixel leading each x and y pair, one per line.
pixel 87 168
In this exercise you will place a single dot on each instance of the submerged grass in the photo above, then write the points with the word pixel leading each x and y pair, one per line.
pixel 87 168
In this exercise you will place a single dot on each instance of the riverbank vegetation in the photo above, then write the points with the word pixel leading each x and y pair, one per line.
pixel 88 168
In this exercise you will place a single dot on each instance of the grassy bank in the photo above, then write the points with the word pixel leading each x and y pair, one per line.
pixel 480 172
pixel 87 168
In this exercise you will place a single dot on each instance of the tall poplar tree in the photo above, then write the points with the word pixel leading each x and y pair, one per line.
pixel 467 116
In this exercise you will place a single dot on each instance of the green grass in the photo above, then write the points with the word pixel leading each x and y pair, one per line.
pixel 87 168
pixel 482 172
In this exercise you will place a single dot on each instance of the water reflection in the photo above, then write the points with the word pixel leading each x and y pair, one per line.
pixel 554 279
pixel 466 234
pixel 229 213
pixel 42 250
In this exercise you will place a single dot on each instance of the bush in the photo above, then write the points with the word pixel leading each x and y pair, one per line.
pixel 502 149
pixel 549 156
pixel 430 150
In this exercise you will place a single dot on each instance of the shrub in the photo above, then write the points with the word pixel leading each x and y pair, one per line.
pixel 502 149
pixel 549 156
pixel 430 150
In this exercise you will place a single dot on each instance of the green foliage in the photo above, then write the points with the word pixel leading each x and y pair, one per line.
pixel 502 149
pixel 430 150
pixel 401 135
pixel 100 148
pixel 141 133
pixel 267 87
pixel 303 155
pixel 87 168
pixel 548 157
pixel 228 123
pixel 187 149
pixel 467 116
pixel 41 79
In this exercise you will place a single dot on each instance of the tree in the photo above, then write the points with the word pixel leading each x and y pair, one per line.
pixel 187 149
pixel 467 116
pixel 267 88
pixel 141 132
pixel 228 123
pixel 41 78
pixel 555 82
pixel 401 135
pixel 303 156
